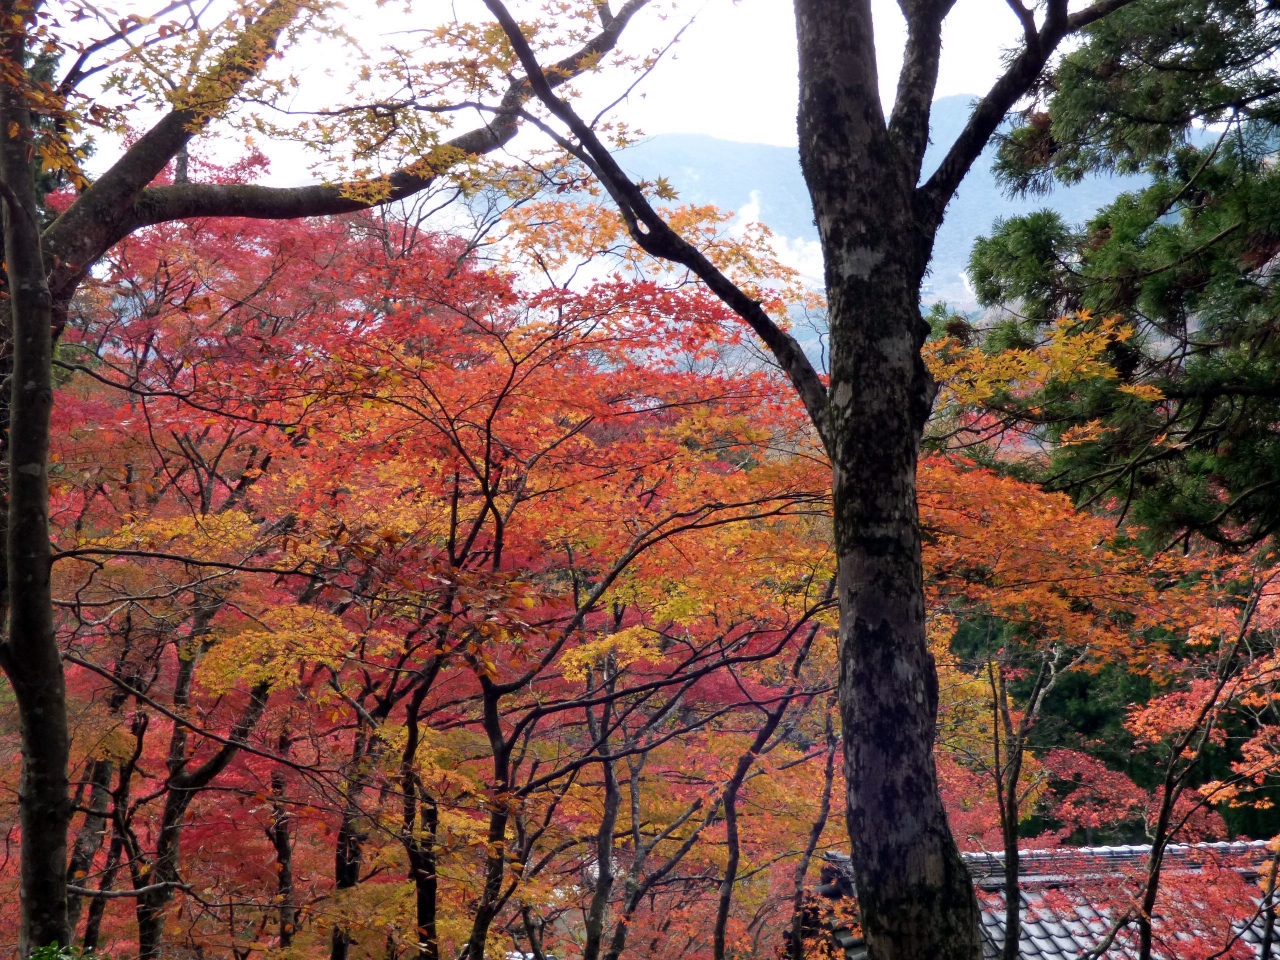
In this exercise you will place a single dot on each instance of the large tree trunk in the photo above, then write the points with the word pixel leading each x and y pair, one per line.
pixel 914 892
pixel 30 655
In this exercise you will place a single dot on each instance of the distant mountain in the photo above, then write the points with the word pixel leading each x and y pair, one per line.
pixel 731 175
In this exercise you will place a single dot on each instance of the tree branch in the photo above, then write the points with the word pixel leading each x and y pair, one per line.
pixel 93 223
pixel 918 78
pixel 932 197
pixel 120 201
pixel 653 235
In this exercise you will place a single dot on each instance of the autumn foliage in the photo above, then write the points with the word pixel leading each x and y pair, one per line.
pixel 418 595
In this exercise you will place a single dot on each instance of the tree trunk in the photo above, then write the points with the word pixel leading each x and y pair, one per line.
pixel 89 840
pixel 500 805
pixel 98 905
pixel 598 911
pixel 419 826
pixel 30 656
pixel 349 852
pixel 914 891
pixel 282 842
pixel 796 949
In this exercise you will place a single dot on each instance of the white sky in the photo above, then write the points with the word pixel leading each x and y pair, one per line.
pixel 734 71
pixel 732 75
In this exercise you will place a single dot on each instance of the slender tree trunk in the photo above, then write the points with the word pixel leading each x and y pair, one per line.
pixel 1012 891
pixel 30 656
pixel 815 835
pixel 598 910
pixel 120 832
pixel 89 840
pixel 1008 775
pixel 349 852
pixel 724 900
pixel 98 905
pixel 1269 910
pixel 730 802
pixel 418 829
pixel 499 816
pixel 422 867
pixel 282 842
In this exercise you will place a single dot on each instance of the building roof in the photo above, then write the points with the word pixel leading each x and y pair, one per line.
pixel 1070 895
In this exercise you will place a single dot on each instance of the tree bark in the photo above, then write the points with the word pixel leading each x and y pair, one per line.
pixel 598 910
pixel 349 852
pixel 282 842
pixel 420 821
pixel 914 892
pixel 30 655
pixel 89 840
pixel 499 816
pixel 98 905
pixel 796 949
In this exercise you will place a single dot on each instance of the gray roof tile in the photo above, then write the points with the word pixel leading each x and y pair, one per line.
pixel 1059 922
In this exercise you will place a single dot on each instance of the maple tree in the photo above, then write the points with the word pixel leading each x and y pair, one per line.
pixel 194 67
pixel 317 571
pixel 1199 627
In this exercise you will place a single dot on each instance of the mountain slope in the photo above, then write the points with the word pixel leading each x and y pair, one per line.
pixel 732 175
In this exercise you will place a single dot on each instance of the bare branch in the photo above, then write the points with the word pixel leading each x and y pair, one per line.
pixel 932 197
pixel 120 202
pixel 653 235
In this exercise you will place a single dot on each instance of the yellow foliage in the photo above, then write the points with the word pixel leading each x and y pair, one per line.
pixel 1072 352
pixel 626 647
pixel 274 647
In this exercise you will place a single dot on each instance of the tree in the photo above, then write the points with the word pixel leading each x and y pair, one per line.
pixel 213 67
pixel 1186 262
pixel 877 223
pixel 297 592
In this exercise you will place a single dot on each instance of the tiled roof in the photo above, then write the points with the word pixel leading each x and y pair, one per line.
pixel 1062 918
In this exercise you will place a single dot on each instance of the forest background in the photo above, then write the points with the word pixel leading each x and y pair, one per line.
pixel 432 583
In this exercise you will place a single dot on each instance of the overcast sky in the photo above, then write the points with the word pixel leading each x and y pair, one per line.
pixel 732 75
pixel 734 71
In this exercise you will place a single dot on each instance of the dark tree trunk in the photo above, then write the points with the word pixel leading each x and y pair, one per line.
pixel 500 802
pixel 420 821
pixel 89 840
pixel 597 912
pixel 914 892
pixel 349 852
pixel 1012 890
pixel 796 950
pixel 282 842
pixel 98 905
pixel 120 833
pixel 30 655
